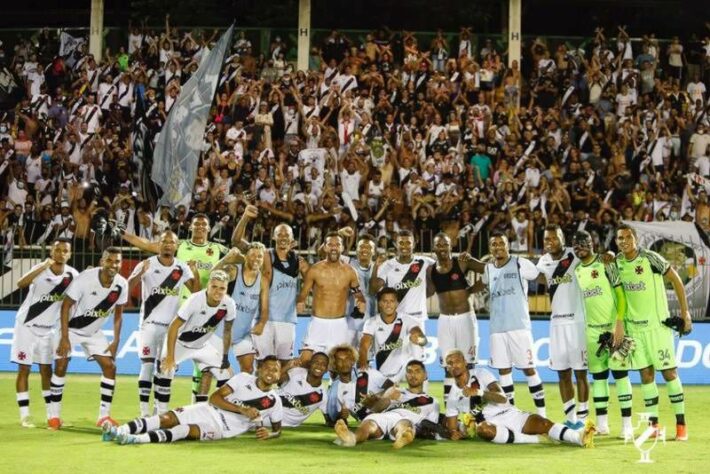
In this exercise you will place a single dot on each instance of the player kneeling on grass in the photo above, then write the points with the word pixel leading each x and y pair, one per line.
pixel 476 393
pixel 401 411
pixel 244 403
pixel 302 391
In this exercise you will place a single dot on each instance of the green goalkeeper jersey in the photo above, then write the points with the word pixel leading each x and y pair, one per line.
pixel 597 282
pixel 206 255
pixel 645 290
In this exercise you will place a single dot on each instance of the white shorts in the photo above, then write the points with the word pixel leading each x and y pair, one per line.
pixel 244 347
pixel 511 417
pixel 278 339
pixel 355 328
pixel 28 348
pixel 458 331
pixel 150 340
pixel 511 349
pixel 206 357
pixel 94 345
pixel 204 416
pixel 568 347
pixel 386 422
pixel 324 334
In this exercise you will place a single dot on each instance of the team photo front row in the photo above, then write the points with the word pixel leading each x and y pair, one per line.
pixel 362 357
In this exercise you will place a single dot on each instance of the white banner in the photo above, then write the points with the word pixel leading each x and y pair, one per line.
pixel 68 43
pixel 687 249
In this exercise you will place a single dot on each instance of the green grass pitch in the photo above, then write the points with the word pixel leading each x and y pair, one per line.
pixel 309 449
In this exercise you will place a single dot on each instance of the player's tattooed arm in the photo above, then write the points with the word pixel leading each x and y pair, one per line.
pixel 233 257
pixel 168 362
pixel 494 394
pixel 250 212
pixel 64 346
pixel 218 399
pixel 308 282
pixel 226 343
pixel 141 243
pixel 364 351
pixel 452 425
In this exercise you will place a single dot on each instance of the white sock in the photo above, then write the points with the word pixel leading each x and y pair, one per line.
pixel 506 383
pixel 23 401
pixel 570 412
pixel 537 392
pixel 583 411
pixel 47 395
pixel 56 387
pixel 626 422
pixel 505 436
pixel 107 388
pixel 142 425
pixel 560 432
pixel 145 385
pixel 603 421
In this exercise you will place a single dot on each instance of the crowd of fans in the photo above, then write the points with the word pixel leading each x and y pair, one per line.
pixel 382 134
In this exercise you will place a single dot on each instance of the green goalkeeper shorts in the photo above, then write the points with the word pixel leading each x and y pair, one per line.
pixel 654 347
pixel 604 361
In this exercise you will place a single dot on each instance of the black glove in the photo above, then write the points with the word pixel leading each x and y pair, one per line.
pixel 606 342
pixel 356 313
pixel 225 362
pixel 676 323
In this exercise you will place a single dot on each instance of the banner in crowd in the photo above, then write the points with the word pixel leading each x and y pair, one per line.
pixel 692 351
pixel 687 249
pixel 68 44
pixel 10 90
pixel 177 151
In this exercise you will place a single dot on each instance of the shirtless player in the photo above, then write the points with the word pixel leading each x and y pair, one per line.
pixel 331 280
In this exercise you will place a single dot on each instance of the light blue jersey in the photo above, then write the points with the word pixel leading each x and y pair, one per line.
pixel 509 294
pixel 363 276
pixel 284 288
pixel 246 298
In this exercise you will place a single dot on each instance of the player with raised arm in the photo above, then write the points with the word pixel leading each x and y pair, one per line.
pixel 89 301
pixel 35 327
pixel 251 299
pixel 643 275
pixel 348 394
pixel 205 255
pixel 282 267
pixel 402 412
pixel 568 347
pixel 604 308
pixel 162 278
pixel 302 391
pixel 477 394
pixel 511 341
pixel 245 402
pixel 390 337
pixel 363 265
pixel 457 327
pixel 191 334
pixel 331 280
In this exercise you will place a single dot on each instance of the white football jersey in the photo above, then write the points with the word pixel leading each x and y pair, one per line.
pixel 201 320
pixel 390 342
pixel 409 279
pixel 94 302
pixel 350 395
pixel 299 398
pixel 246 393
pixel 565 296
pixel 416 407
pixel 160 289
pixel 41 309
pixel 458 404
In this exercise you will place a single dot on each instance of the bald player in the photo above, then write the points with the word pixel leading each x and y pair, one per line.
pixel 281 269
pixel 457 326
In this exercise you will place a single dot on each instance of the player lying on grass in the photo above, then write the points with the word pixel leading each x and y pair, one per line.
pixel 302 391
pixel 348 394
pixel 401 411
pixel 476 393
pixel 244 403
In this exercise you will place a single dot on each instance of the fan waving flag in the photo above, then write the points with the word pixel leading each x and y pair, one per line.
pixel 180 142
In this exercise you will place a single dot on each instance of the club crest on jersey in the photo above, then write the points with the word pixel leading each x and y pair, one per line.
pixel 21 355
pixel 455 276
pixel 112 297
pixel 146 350
pixel 266 402
pixel 362 382
pixel 595 274
pixel 415 268
pixel 638 269
pixel 209 251
pixel 176 274
pixel 314 397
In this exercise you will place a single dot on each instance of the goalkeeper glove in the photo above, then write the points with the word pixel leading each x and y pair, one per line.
pixel 676 323
pixel 606 340
pixel 626 347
